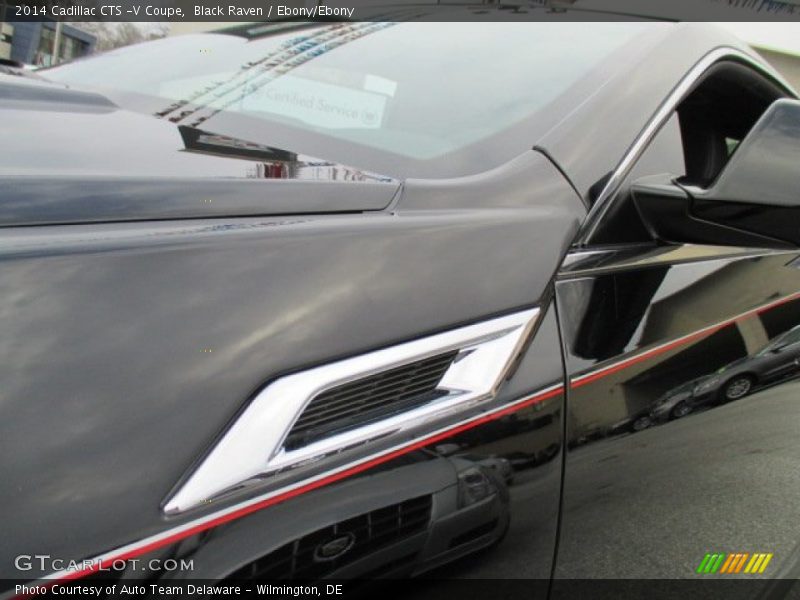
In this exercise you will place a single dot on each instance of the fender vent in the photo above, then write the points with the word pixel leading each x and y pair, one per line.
pixel 370 399
pixel 344 408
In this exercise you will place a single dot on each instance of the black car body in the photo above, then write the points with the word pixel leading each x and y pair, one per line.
pixel 219 348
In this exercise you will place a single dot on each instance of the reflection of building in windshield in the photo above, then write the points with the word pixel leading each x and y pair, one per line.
pixel 269 162
pixel 254 75
pixel 34 42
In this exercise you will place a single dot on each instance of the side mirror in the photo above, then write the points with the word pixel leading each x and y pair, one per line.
pixel 755 201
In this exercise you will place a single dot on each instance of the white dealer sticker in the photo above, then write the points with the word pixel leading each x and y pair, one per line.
pixel 318 104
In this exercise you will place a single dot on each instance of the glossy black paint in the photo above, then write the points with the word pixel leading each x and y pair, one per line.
pixel 672 215
pixel 129 346
pixel 647 491
pixel 777 361
pixel 140 341
pixel 526 445
pixel 144 169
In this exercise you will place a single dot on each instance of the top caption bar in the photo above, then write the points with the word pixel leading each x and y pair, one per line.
pixel 265 11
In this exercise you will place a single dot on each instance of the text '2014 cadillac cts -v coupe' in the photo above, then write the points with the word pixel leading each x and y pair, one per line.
pixel 361 300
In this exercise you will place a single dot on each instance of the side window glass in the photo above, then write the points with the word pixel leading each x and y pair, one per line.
pixel 665 153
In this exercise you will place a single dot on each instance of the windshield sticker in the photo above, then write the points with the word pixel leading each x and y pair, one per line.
pixel 317 104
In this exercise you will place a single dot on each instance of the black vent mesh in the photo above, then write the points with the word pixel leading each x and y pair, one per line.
pixel 370 399
pixel 369 532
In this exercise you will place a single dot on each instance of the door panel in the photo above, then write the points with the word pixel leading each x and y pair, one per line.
pixel 679 442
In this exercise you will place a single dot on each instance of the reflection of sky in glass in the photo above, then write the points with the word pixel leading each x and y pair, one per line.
pixel 778 36
pixel 418 89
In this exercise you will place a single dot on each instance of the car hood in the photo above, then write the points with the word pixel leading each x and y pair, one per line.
pixel 75 156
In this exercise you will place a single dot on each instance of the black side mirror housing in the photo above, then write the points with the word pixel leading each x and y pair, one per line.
pixel 755 201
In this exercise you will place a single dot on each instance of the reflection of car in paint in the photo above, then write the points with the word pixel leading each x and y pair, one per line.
pixel 778 360
pixel 466 511
pixel 500 465
pixel 635 422
pixel 211 338
pixel 496 463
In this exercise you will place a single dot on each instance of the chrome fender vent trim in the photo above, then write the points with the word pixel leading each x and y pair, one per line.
pixel 255 443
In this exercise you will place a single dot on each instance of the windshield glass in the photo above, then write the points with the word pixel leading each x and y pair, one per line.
pixel 419 92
